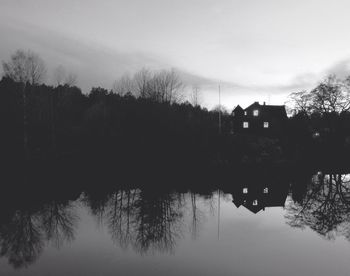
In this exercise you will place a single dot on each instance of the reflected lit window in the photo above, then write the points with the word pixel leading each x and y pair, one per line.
pixel 256 112
pixel 266 190
pixel 255 202
pixel 245 124
pixel 266 124
pixel 245 190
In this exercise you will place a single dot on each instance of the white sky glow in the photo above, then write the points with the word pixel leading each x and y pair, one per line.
pixel 262 50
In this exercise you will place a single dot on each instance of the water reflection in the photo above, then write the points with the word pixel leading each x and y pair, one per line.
pixel 144 219
pixel 256 193
pixel 325 206
pixel 24 232
pixel 155 220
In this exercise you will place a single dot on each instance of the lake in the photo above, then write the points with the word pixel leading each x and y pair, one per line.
pixel 254 224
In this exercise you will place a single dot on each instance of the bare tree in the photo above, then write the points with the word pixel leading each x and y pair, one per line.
pixel 125 84
pixel 195 96
pixel 25 67
pixel 61 77
pixel 221 108
pixel 71 79
pixel 301 101
pixel 164 86
pixel 170 86
pixel 332 95
pixel 142 82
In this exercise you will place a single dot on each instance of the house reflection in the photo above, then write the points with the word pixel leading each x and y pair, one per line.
pixel 255 194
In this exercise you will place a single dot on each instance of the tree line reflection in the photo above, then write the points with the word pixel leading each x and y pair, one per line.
pixel 154 220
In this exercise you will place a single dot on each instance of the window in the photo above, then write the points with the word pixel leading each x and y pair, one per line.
pixel 245 190
pixel 256 112
pixel 245 124
pixel 266 124
pixel 245 113
pixel 233 114
pixel 255 202
pixel 266 190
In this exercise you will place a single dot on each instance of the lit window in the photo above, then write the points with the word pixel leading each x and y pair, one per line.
pixel 245 124
pixel 266 190
pixel 255 202
pixel 256 112
pixel 245 190
pixel 266 124
pixel 245 113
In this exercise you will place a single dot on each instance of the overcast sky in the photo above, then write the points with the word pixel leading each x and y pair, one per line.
pixel 258 49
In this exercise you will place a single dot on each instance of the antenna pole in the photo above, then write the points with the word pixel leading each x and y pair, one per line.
pixel 219 110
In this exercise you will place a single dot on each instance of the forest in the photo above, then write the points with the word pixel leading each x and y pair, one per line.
pixel 145 122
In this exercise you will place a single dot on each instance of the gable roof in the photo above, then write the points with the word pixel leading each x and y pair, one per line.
pixel 238 108
pixel 273 110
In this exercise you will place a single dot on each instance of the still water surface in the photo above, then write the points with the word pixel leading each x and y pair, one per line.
pixel 299 227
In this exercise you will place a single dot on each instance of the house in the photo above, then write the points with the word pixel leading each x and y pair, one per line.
pixel 259 119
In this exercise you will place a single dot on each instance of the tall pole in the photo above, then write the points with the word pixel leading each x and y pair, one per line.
pixel 219 110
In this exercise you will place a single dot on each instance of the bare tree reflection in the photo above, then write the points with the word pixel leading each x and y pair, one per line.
pixel 159 220
pixel 21 240
pixel 58 221
pixel 23 236
pixel 120 216
pixel 143 219
pixel 325 207
pixel 197 216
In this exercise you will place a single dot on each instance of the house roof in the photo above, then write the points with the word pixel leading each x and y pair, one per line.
pixel 238 107
pixel 273 110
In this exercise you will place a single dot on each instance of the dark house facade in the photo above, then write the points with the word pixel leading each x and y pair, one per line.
pixel 259 119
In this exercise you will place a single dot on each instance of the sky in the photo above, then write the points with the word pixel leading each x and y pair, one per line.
pixel 257 50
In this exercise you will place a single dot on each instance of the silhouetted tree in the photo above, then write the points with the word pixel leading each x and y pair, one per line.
pixel 163 86
pixel 302 102
pixel 61 77
pixel 332 95
pixel 195 96
pixel 125 84
pixel 25 67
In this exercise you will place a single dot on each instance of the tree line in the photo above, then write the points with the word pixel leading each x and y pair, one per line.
pixel 145 116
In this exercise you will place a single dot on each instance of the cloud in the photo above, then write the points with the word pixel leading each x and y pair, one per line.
pixel 95 65
pixel 341 68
